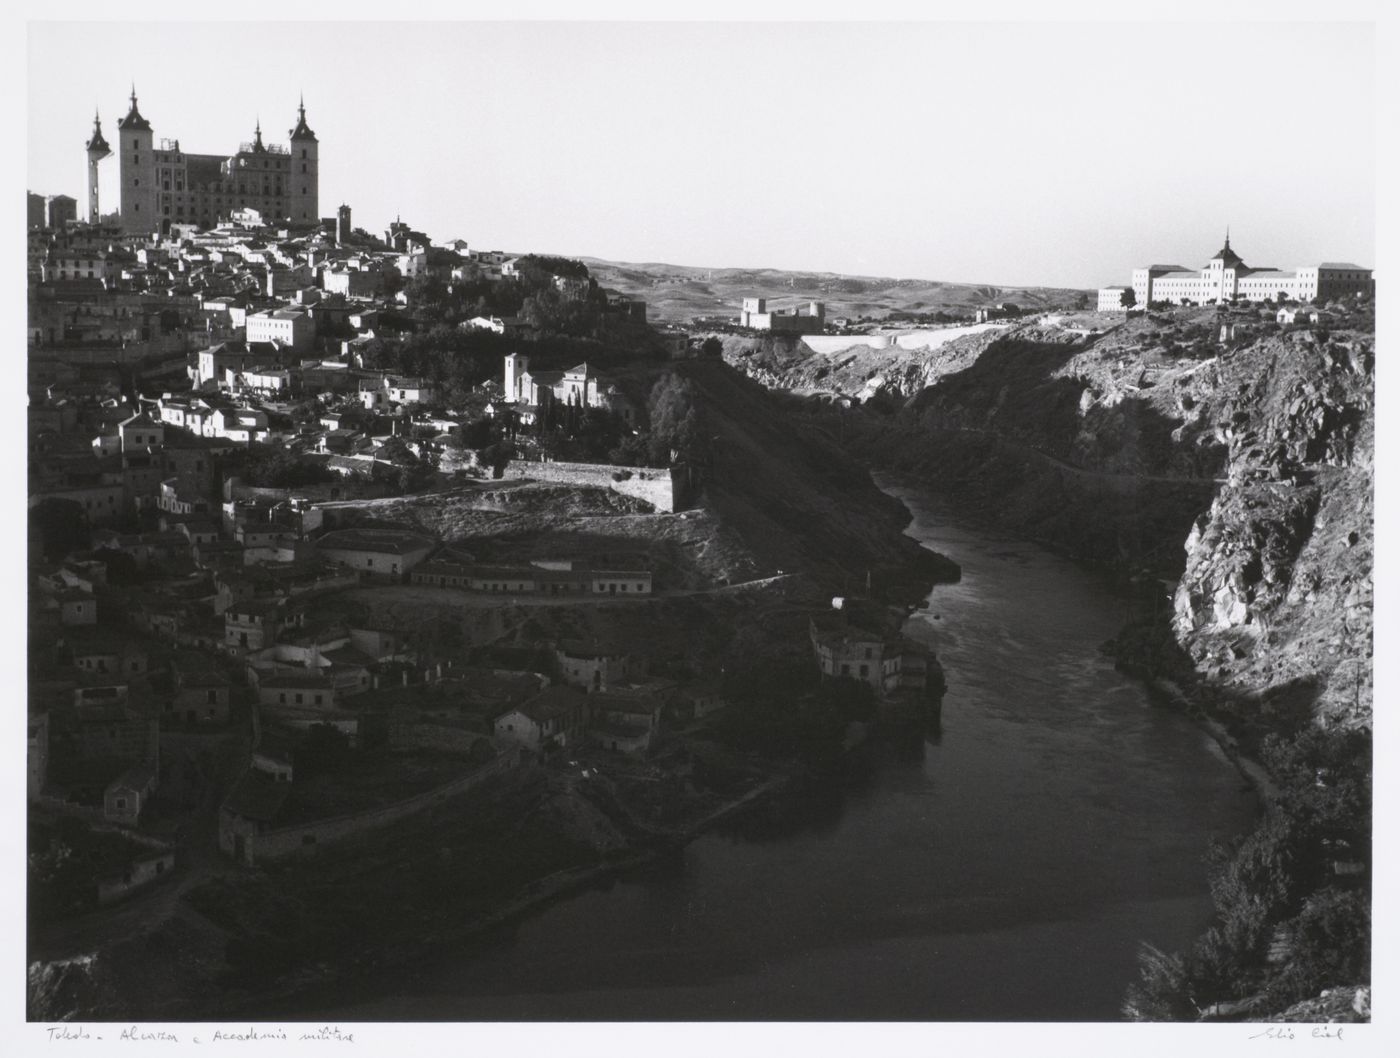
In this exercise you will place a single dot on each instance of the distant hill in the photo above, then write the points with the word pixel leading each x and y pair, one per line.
pixel 678 293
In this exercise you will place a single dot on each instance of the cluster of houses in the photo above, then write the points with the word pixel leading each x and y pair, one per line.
pixel 857 641
pixel 225 622
pixel 181 608
pixel 152 357
pixel 291 293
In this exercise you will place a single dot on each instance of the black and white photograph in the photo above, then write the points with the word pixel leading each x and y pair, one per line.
pixel 604 530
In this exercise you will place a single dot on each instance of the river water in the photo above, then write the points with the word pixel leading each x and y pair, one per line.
pixel 1003 867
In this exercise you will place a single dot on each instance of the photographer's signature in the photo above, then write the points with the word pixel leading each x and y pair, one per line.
pixel 1288 1032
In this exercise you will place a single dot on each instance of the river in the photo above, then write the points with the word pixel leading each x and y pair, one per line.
pixel 1004 867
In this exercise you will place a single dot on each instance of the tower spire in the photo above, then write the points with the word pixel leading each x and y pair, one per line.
pixel 302 131
pixel 97 144
pixel 1227 236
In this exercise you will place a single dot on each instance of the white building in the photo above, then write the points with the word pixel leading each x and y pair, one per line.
pixel 579 385
pixel 1111 299
pixel 756 314
pixel 285 326
pixel 1225 277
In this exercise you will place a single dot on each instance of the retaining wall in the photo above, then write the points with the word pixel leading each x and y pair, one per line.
pixel 324 492
pixel 307 837
pixel 656 487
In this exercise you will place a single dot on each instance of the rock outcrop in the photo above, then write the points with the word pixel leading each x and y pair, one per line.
pixel 1240 474
pixel 1275 599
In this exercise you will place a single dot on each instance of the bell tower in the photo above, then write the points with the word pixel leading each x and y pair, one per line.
pixel 303 193
pixel 97 149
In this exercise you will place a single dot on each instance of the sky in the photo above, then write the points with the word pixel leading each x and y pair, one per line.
pixel 1008 153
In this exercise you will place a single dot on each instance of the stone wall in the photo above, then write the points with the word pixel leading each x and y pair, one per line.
pixel 326 492
pixel 654 486
pixel 307 837
pixel 144 872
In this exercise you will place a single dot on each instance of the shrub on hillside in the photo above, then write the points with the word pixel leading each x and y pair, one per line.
pixel 1161 992
pixel 1329 945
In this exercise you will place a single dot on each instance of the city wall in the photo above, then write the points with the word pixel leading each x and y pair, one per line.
pixel 657 487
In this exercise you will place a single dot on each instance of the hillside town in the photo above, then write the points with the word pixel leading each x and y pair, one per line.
pixel 224 404
pixel 420 630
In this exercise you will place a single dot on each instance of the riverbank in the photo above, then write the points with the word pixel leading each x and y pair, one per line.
pixel 941 880
pixel 1291 896
pixel 324 982
pixel 1249 768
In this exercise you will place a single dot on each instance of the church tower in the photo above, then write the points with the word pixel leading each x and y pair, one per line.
pixel 97 149
pixel 304 197
pixel 136 162
pixel 516 367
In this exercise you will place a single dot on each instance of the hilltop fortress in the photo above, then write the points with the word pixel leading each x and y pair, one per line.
pixel 161 184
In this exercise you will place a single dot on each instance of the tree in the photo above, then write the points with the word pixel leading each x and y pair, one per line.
pixel 414 476
pixel 555 313
pixel 496 456
pixel 427 288
pixel 1128 298
pixel 675 419
pixel 277 469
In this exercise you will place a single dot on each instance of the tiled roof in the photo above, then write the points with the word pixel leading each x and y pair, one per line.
pixel 553 702
pixel 396 542
pixel 257 796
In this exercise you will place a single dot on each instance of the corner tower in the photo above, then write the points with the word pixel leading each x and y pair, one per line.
pixel 304 203
pixel 97 149
pixel 136 163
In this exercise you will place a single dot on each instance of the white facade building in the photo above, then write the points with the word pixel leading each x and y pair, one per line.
pixel 1111 299
pixel 1225 277
pixel 285 326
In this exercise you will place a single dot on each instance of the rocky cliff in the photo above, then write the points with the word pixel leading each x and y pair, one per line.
pixel 1224 468
pixel 1236 473
pixel 1275 600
